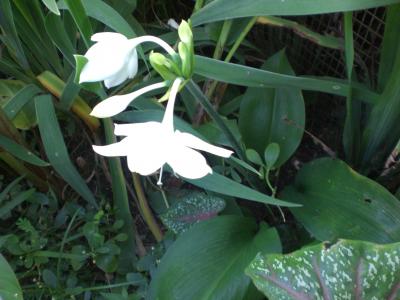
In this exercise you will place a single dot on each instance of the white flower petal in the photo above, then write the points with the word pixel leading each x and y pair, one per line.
pixel 117 79
pixel 194 142
pixel 103 61
pixel 168 119
pixel 132 66
pixel 145 153
pixel 188 163
pixel 139 130
pixel 117 149
pixel 116 104
pixel 108 37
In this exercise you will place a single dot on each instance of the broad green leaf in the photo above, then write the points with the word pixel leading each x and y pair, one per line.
pixel 52 6
pixel 252 77
pixel 219 10
pixel 21 152
pixel 218 183
pixel 208 261
pixel 339 203
pixel 9 286
pixel 345 270
pixel 55 148
pixel 273 115
pixel 191 209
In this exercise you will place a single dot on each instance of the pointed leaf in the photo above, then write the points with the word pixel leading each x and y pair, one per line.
pixel 339 203
pixel 56 150
pixel 345 270
pixel 191 209
pixel 9 286
pixel 208 261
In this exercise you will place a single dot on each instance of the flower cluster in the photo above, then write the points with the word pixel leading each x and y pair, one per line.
pixel 148 146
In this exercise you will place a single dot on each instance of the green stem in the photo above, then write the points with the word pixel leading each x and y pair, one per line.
pixel 232 51
pixel 240 39
pixel 145 209
pixel 218 51
pixel 194 89
pixel 199 4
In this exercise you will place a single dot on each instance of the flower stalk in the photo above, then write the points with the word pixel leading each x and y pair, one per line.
pixel 145 210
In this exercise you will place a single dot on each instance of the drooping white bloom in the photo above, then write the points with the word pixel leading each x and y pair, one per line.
pixel 148 146
pixel 113 58
pixel 118 103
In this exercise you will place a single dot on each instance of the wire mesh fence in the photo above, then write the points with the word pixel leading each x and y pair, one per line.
pixel 311 59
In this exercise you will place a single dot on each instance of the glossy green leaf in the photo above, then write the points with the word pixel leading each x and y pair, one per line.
pixel 252 77
pixel 56 150
pixel 339 203
pixel 273 115
pixel 218 10
pixel 345 270
pixel 191 209
pixel 271 154
pixel 21 152
pixel 218 183
pixel 208 261
pixel 52 6
pixel 9 286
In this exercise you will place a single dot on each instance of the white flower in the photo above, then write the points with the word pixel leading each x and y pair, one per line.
pixel 114 105
pixel 148 146
pixel 114 58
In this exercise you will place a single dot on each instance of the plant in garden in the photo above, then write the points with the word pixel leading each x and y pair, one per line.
pixel 74 227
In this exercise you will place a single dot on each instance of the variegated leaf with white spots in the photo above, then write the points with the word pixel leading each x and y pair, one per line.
pixel 190 209
pixel 346 270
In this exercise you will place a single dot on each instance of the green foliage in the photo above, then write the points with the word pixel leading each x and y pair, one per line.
pixel 210 266
pixel 273 115
pixel 340 203
pixel 9 286
pixel 71 224
pixel 346 269
pixel 191 209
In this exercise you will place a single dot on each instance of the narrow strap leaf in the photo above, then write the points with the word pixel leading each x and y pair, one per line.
pixel 55 148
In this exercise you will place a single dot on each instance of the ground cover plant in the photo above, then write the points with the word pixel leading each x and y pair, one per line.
pixel 175 150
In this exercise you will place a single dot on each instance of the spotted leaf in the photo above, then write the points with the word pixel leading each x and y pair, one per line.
pixel 191 209
pixel 345 270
